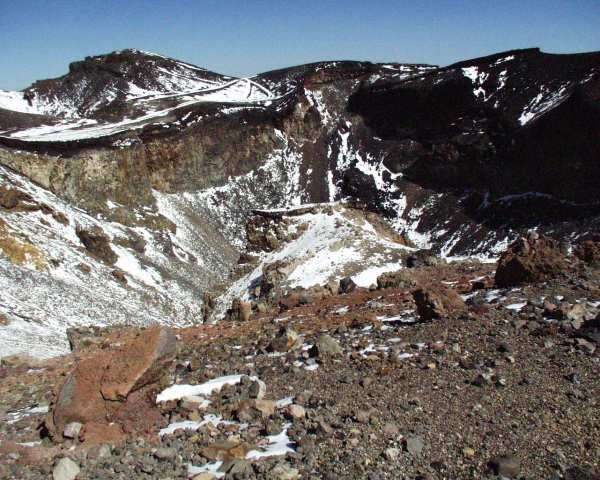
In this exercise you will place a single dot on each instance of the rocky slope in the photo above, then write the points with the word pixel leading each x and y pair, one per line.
pixel 170 160
pixel 459 370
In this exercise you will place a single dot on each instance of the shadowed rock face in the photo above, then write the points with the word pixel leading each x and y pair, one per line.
pixel 475 132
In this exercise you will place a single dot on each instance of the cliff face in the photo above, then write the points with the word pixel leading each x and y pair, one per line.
pixel 169 160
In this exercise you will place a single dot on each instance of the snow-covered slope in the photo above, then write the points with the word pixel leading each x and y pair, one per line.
pixel 322 243
pixel 49 281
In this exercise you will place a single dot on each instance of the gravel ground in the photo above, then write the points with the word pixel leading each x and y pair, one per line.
pixel 500 389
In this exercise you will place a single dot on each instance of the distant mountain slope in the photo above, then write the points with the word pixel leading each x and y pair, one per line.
pixel 458 159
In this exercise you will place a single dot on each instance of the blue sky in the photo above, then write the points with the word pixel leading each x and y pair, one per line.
pixel 39 38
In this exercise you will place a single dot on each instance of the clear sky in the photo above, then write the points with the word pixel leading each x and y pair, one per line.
pixel 39 38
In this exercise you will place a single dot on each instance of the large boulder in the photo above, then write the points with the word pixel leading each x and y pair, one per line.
pixel 437 301
pixel 529 260
pixel 108 392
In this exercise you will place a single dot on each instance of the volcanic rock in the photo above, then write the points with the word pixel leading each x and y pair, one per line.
pixel 107 392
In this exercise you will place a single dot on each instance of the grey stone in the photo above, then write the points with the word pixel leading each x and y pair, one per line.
pixel 65 469
pixel 72 430
pixel 414 445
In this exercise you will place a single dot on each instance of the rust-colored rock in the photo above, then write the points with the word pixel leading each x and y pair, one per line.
pixel 112 387
pixel 529 260
pixel 141 362
pixel 437 301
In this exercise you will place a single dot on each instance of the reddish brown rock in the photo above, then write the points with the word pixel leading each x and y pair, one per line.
pixel 529 260
pixel 437 301
pixel 113 387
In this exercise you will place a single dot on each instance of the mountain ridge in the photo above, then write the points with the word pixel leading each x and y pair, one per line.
pixel 458 160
